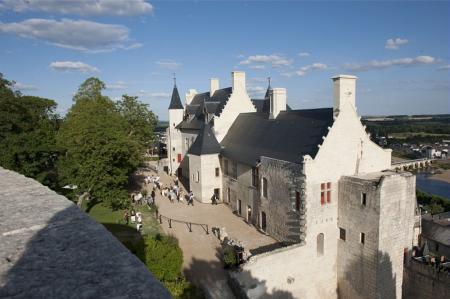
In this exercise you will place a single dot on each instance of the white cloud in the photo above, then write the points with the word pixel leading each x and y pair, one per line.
pixel 287 74
pixel 24 87
pixel 444 67
pixel 119 85
pixel 72 66
pixel 312 67
pixel 80 7
pixel 154 95
pixel 382 64
pixel 273 60
pixel 303 54
pixel 258 79
pixel 159 95
pixel 168 64
pixel 79 35
pixel 257 67
pixel 395 43
pixel 256 90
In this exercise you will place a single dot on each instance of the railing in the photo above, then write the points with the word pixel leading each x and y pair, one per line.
pixel 189 224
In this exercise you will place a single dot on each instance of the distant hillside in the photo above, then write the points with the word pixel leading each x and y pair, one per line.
pixel 161 126
pixel 409 128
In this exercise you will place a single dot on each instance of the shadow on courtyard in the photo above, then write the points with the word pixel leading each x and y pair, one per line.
pixel 215 280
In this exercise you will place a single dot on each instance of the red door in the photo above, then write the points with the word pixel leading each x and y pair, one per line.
pixel 179 158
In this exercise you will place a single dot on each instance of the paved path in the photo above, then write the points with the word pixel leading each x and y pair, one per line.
pixel 201 251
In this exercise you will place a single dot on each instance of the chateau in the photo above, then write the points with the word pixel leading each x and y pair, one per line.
pixel 311 179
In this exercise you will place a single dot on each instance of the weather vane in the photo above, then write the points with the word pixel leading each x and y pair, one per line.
pixel 174 79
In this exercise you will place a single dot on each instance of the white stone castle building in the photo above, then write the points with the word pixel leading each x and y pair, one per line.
pixel 311 178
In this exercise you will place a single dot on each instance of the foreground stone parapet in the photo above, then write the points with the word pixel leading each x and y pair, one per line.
pixel 51 249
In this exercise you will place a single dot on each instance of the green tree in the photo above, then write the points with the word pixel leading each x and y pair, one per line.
pixel 163 257
pixel 141 121
pixel 28 128
pixel 98 153
pixel 90 89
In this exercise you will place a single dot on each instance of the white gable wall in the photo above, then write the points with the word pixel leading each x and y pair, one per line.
pixel 239 102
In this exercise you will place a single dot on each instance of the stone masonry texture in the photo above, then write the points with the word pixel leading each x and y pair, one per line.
pixel 51 249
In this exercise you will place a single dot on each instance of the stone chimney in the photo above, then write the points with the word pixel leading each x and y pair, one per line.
pixel 344 89
pixel 190 95
pixel 277 101
pixel 238 81
pixel 213 86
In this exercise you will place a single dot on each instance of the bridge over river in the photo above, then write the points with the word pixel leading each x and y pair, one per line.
pixel 412 164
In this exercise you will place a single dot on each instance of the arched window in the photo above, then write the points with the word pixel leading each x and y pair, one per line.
pixel 320 244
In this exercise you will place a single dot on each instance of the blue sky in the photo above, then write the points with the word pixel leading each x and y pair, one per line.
pixel 399 50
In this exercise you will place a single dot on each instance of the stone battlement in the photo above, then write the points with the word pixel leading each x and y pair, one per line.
pixel 51 249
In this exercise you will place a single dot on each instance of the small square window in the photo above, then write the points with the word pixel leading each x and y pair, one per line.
pixel 364 199
pixel 342 234
pixel 217 171
pixel 173 148
pixel 362 238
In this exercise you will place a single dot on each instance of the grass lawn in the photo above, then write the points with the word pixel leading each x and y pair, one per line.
pixel 114 222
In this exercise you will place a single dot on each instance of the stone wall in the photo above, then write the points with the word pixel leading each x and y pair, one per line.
pixel 424 282
pixel 49 248
pixel 284 179
pixel 240 189
pixel 296 271
pixel 373 267
pixel 203 179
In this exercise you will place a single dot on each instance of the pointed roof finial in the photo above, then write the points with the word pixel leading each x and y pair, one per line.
pixel 268 79
pixel 174 79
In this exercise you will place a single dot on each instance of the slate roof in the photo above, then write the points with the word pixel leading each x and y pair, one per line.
pixel 436 230
pixel 192 123
pixel 205 143
pixel 175 102
pixel 214 104
pixel 49 248
pixel 291 135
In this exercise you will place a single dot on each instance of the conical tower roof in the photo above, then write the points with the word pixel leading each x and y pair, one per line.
pixel 206 143
pixel 175 102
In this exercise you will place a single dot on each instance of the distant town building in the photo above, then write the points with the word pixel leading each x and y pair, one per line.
pixel 435 236
pixel 312 179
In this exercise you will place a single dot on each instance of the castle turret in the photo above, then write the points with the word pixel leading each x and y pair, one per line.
pixel 204 165
pixel 174 151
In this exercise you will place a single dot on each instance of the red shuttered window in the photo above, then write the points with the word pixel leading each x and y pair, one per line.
pixel 325 193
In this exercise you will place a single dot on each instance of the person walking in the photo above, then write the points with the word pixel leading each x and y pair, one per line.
pixel 153 195
pixel 126 217
pixel 214 199
pixel 191 198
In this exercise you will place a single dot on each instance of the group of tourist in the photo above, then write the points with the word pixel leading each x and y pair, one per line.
pixel 175 192
pixel 134 217
pixel 153 180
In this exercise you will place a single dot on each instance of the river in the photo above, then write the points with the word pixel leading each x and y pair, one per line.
pixel 425 183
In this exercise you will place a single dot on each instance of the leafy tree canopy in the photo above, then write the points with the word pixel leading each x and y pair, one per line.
pixel 140 120
pixel 28 128
pixel 90 89
pixel 99 153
